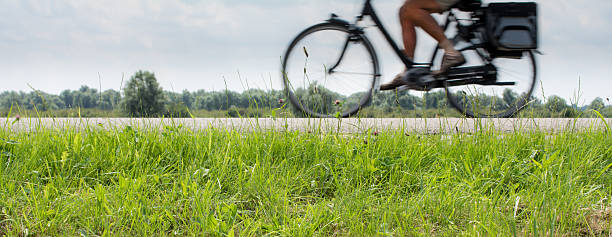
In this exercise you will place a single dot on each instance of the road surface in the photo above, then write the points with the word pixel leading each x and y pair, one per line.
pixel 429 126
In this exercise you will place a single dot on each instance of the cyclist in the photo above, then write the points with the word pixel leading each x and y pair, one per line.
pixel 417 13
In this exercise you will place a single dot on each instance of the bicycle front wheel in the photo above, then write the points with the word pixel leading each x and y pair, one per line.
pixel 330 71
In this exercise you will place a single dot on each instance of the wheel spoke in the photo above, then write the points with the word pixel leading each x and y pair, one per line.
pixel 322 93
pixel 496 100
pixel 354 73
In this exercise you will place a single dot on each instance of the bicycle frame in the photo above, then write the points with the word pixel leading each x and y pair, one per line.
pixel 484 75
pixel 369 11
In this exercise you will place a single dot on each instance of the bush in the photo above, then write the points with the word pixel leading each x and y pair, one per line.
pixel 235 112
pixel 177 110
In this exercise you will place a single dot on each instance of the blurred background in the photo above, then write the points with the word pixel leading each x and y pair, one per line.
pixel 213 45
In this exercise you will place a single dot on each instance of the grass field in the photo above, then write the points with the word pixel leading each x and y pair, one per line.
pixel 173 181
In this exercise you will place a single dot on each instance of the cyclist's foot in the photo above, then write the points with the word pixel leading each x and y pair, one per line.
pixel 450 59
pixel 395 83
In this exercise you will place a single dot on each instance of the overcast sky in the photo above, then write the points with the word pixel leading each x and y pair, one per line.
pixel 189 44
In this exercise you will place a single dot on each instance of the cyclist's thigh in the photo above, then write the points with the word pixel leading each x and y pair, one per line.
pixel 432 6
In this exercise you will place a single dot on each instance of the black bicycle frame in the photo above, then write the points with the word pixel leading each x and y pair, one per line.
pixel 369 11
pixel 485 75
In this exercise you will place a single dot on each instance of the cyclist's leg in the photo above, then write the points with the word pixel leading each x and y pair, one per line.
pixel 417 13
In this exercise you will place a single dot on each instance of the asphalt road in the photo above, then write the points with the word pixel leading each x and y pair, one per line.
pixel 434 125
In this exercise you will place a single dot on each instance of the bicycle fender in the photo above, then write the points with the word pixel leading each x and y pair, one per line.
pixel 334 19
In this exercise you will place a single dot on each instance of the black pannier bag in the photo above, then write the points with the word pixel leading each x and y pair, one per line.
pixel 468 5
pixel 512 27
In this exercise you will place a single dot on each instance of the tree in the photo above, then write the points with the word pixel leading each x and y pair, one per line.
pixel 187 98
pixel 556 104
pixel 319 99
pixel 385 101
pixel 9 99
pixel 86 97
pixel 68 98
pixel 597 104
pixel 509 97
pixel 435 100
pixel 408 101
pixel 143 96
pixel 110 100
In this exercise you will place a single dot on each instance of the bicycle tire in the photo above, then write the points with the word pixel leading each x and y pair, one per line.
pixel 310 109
pixel 508 110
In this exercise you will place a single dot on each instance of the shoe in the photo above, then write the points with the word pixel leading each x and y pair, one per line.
pixel 395 83
pixel 449 61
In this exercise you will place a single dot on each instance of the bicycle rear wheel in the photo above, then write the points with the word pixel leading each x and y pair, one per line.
pixel 330 71
pixel 516 80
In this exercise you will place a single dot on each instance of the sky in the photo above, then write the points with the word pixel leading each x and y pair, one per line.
pixel 52 45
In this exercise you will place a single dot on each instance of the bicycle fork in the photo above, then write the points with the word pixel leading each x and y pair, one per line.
pixel 353 37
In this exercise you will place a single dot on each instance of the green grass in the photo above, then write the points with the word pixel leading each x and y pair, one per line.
pixel 174 181
pixel 287 111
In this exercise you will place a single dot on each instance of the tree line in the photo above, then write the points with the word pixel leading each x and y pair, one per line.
pixel 143 97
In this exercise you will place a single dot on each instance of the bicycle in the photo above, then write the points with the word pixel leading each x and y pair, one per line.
pixel 331 69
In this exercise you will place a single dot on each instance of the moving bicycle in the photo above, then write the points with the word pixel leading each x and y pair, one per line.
pixel 488 68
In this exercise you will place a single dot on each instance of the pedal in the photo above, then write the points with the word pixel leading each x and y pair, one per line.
pixel 413 75
pixel 427 79
pixel 419 78
pixel 403 88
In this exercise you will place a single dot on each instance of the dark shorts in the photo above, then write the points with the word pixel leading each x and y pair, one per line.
pixel 446 4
